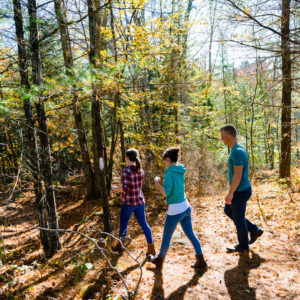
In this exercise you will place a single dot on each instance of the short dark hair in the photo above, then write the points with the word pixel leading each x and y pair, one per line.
pixel 172 153
pixel 230 129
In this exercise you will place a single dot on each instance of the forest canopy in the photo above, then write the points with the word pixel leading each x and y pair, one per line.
pixel 83 81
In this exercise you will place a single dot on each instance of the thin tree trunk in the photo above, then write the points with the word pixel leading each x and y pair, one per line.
pixel 122 140
pixel 285 154
pixel 68 60
pixel 245 124
pixel 212 18
pixel 99 149
pixel 45 165
pixel 117 101
pixel 266 127
pixel 1 91
pixel 224 91
pixel 114 138
pixel 30 133
pixel 297 117
pixel 252 121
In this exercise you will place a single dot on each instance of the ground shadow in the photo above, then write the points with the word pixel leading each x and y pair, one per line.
pixel 180 292
pixel 236 279
pixel 71 217
pixel 103 283
pixel 158 290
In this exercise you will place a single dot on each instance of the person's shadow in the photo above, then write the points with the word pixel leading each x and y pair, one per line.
pixel 158 293
pixel 236 279
pixel 157 290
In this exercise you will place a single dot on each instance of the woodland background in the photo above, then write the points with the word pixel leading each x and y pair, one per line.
pixel 82 81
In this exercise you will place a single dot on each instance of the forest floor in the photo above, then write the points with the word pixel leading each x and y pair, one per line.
pixel 78 271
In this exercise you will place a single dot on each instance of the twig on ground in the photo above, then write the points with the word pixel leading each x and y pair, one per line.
pixel 289 190
pixel 262 213
pixel 132 257
pixel 130 294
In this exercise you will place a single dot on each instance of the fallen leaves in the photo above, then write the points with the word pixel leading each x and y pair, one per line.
pixel 276 277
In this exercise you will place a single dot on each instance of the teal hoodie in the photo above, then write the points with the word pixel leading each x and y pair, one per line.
pixel 174 184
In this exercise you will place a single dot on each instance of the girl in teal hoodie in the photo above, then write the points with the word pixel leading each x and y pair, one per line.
pixel 179 210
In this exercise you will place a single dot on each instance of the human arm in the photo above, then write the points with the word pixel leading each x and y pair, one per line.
pixel 124 184
pixel 236 179
pixel 237 159
pixel 117 189
pixel 159 186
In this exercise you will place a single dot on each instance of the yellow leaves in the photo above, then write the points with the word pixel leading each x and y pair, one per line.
pixel 246 14
pixel 8 149
pixel 247 11
pixel 235 36
pixel 104 53
pixel 110 83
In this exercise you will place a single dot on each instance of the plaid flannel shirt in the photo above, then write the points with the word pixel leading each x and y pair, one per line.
pixel 132 186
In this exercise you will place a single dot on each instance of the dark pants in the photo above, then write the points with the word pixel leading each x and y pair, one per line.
pixel 236 211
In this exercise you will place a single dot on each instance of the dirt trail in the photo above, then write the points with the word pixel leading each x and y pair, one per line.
pixel 271 271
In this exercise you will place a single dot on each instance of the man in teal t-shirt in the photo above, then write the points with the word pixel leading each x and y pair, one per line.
pixel 240 190
pixel 239 157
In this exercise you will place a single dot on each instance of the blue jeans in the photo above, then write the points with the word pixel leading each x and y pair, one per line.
pixel 170 226
pixel 236 211
pixel 139 212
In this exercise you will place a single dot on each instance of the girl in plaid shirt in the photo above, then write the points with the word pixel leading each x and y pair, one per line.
pixel 133 199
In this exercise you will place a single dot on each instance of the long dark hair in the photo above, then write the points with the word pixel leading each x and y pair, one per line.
pixel 172 153
pixel 134 156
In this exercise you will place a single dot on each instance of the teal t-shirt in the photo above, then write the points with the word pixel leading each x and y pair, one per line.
pixel 239 157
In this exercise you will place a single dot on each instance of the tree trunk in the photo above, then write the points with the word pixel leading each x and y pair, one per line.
pixel 117 102
pixel 224 90
pixel 285 154
pixel 30 133
pixel 297 118
pixel 122 140
pixel 68 60
pixel 114 138
pixel 99 148
pixel 45 163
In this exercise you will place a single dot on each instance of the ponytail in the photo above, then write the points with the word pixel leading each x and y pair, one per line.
pixel 134 156
pixel 138 164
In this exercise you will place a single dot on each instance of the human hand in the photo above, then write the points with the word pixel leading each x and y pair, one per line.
pixel 157 179
pixel 112 194
pixel 228 198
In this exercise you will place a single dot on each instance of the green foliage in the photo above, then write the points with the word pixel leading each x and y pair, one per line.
pixel 166 96
pixel 81 267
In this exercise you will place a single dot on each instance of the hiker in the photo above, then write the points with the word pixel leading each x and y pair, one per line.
pixel 133 200
pixel 239 192
pixel 179 210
